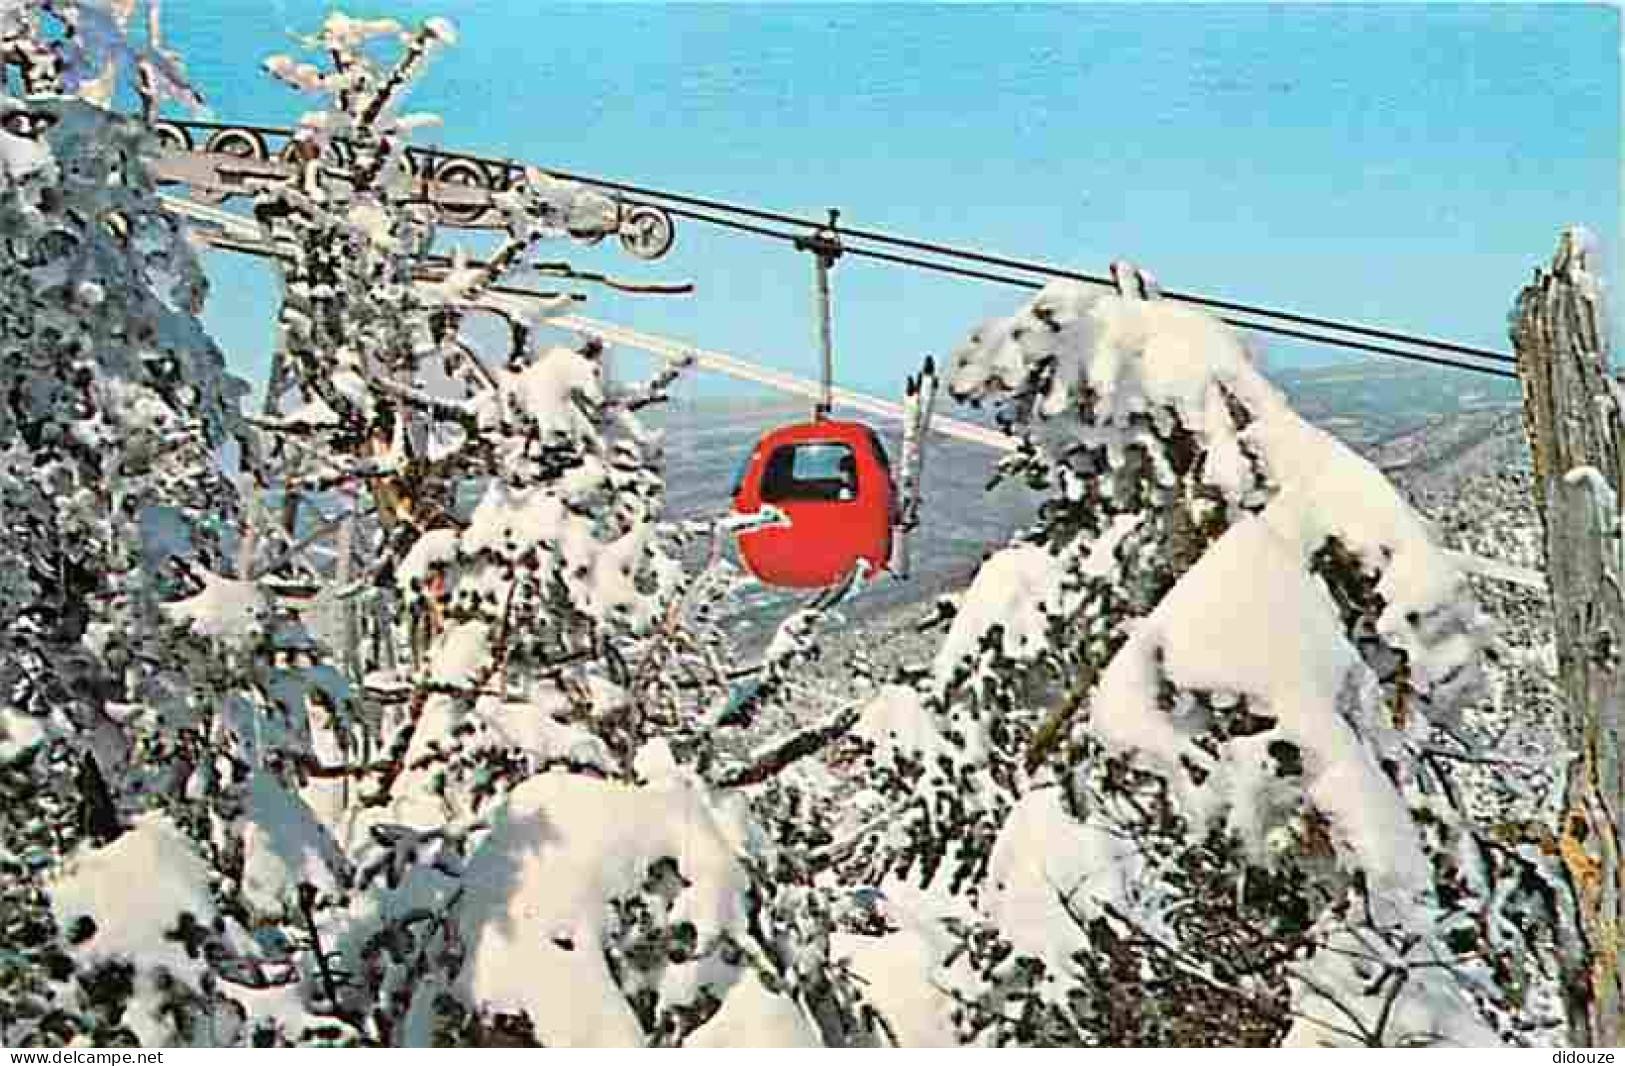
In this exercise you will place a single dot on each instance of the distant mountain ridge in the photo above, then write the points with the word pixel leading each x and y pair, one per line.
pixel 1373 401
pixel 1364 402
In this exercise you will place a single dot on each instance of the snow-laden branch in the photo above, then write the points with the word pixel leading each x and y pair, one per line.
pixel 778 754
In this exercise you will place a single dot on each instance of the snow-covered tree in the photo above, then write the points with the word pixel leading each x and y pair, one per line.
pixel 399 706
pixel 1193 733
pixel 114 406
pixel 545 803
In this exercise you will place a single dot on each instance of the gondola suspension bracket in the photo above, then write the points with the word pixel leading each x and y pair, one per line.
pixel 825 246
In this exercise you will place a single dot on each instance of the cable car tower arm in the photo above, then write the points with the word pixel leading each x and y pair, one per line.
pixel 825 246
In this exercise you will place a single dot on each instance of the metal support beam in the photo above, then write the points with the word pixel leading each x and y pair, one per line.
pixel 825 246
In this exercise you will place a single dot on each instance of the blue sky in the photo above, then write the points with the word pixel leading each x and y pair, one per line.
pixel 1402 165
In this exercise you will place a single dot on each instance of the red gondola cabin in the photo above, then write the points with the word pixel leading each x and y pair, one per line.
pixel 833 481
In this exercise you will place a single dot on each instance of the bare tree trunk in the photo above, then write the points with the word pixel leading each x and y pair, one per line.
pixel 1572 415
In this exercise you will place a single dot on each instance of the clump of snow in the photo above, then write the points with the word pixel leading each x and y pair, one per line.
pixel 752 1016
pixel 22 157
pixel 19 732
pixel 305 77
pixel 1330 494
pixel 1108 358
pixel 315 412
pixel 1018 591
pixel 899 971
pixel 895 719
pixel 792 637
pixel 459 285
pixel 601 576
pixel 226 609
pixel 1278 642
pixel 511 521
pixel 539 894
pixel 442 30
pixel 434 549
pixel 136 890
pixel 556 392
pixel 1014 590
pixel 284 845
pixel 1048 867
pixel 460 658
pixel 656 764
pixel 532 726
pixel 613 593
pixel 344 31
pixel 1605 513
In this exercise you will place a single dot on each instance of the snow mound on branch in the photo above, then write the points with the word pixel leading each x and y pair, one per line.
pixel 136 891
pixel 459 660
pixel 1329 494
pixel 1114 358
pixel 225 609
pixel 283 845
pixel 610 592
pixel 22 157
pixel 898 972
pixel 1046 867
pixel 1013 591
pixel 436 548
pixel 555 392
pixel 601 576
pixel 752 1016
pixel 1247 620
pixel 346 31
pixel 1018 590
pixel 531 726
pixel 895 719
pixel 528 728
pixel 540 892
pixel 510 522
pixel 19 732
pixel 303 76
pixel 442 30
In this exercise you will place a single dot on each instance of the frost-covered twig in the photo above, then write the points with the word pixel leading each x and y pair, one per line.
pixel 836 851
pixel 1189 966
pixel 450 410
pixel 307 911
pixel 777 755
pixel 420 45
pixel 656 389
pixel 570 273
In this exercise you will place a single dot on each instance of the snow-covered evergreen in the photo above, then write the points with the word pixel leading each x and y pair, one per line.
pixel 397 703
pixel 1192 732
pixel 515 629
pixel 113 508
